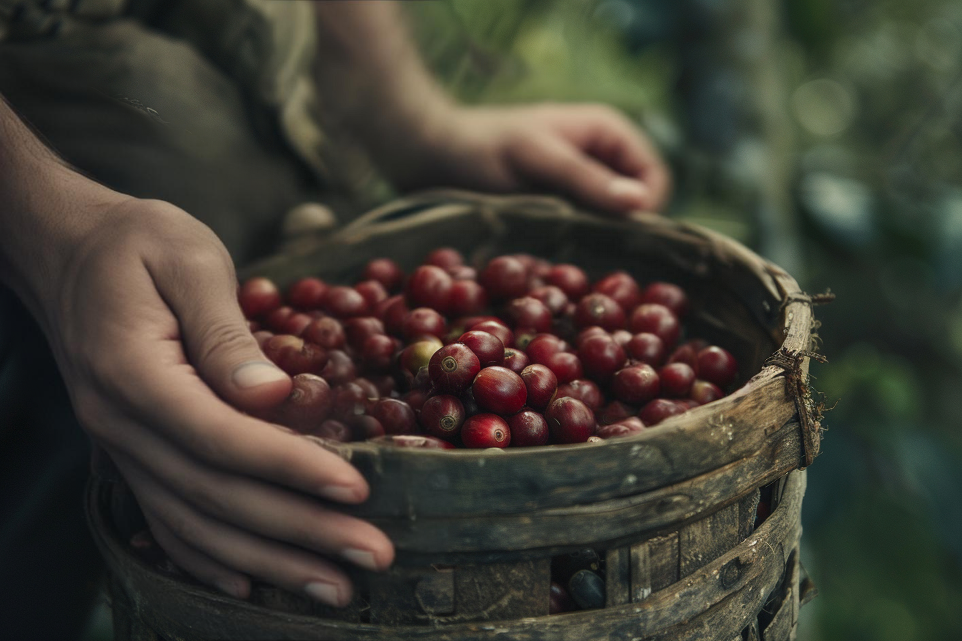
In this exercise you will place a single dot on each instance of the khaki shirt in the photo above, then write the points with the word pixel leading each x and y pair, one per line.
pixel 266 46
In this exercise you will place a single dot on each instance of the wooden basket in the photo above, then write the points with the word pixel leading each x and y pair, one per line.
pixel 673 509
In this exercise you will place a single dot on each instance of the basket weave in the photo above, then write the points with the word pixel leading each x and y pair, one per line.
pixel 673 508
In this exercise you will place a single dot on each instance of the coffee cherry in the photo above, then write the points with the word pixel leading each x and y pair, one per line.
pixel 544 346
pixel 485 430
pixel 569 420
pixel 615 412
pixel 686 354
pixel 377 354
pixel 499 390
pixel 528 313
pixel 636 384
pixel 429 286
pixel 276 319
pixel 306 407
pixel 504 277
pixel 344 302
pixel 646 348
pixel 671 296
pixel 590 332
pixel 620 287
pixel 598 309
pixel 462 272
pixel 395 416
pixel 392 311
pixel 541 385
pixel 416 398
pixel 417 355
pixel 515 360
pixel 676 380
pixel 384 271
pixel 658 320
pixel 585 391
pixel 334 431
pixel 340 368
pixel 654 412
pixel 365 428
pixel 294 355
pixel 552 297
pixel 453 368
pixel 442 416
pixel 371 392
pixel 326 332
pixel 487 347
pixel 258 297
pixel 413 440
pixel 306 293
pixel 359 329
pixel 528 428
pixel 497 328
pixel 569 279
pixel 467 297
pixel 421 322
pixel 297 323
pixel 372 291
pixel 385 384
pixel 566 366
pixel 601 357
pixel 470 404
pixel 717 366
pixel 703 392
pixel 349 400
pixel 445 258
pixel 559 600
pixel 627 427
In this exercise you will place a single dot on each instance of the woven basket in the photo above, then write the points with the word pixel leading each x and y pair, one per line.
pixel 672 509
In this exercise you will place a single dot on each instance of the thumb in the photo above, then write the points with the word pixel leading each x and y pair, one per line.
pixel 556 163
pixel 216 337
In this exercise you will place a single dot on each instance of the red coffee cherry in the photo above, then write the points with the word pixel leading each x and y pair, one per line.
pixel 372 291
pixel 349 401
pixel 717 366
pixel 566 366
pixel 671 296
pixel 429 286
pixel 622 288
pixel 467 297
pixel 365 428
pixel 412 440
pixel 485 430
pixel 569 420
pixel 340 368
pixel 528 428
pixel 646 348
pixel 306 293
pixel 659 409
pixel 295 356
pixel 359 329
pixel 386 272
pixel 615 412
pixel 703 392
pixel 445 258
pixel 442 416
pixel 686 354
pixel 497 328
pixel 515 360
pixel 276 319
pixel 559 600
pixel 676 380
pixel 528 313
pixel 306 407
pixel 392 312
pixel 504 277
pixel 344 302
pixel 297 323
pixel 258 297
pixel 627 427
pixel 598 309
pixel 585 391
pixel 541 385
pixel 658 320
pixel 552 297
pixel 395 416
pixel 570 279
pixel 377 354
pixel 326 332
pixel 453 368
pixel 421 322
pixel 487 347
pixel 601 357
pixel 636 384
pixel 543 346
pixel 499 390
pixel 462 272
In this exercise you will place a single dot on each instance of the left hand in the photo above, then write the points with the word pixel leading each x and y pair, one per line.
pixel 589 152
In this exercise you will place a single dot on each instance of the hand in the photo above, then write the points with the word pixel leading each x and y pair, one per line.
pixel 149 337
pixel 589 152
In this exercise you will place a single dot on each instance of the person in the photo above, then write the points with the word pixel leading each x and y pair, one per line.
pixel 165 140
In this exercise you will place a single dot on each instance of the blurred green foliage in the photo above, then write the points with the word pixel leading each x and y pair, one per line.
pixel 852 111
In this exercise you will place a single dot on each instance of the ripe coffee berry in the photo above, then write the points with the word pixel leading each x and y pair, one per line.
pixel 703 392
pixel 372 291
pixel 294 355
pixel 569 420
pixel 528 313
pixel 622 288
pixel 276 319
pixel 487 347
pixel 541 385
pixel 462 272
pixel 717 366
pixel 386 272
pixel 445 258
pixel 659 409
pixel 515 360
pixel 340 368
pixel 601 357
pixel 395 416
pixel 624 428
pixel 543 346
pixel 365 428
pixel 306 293
pixel 485 430
pixel 467 297
pixel 566 366
pixel 552 297
pixel 528 428
pixel 421 322
pixel 499 390
pixel 658 320
pixel 569 279
pixel 377 354
pixel 429 286
pixel 585 391
pixel 344 302
pixel 453 368
pixel 497 328
pixel 392 311
pixel 676 380
pixel 671 296
pixel 308 404
pixel 359 329
pixel 258 297
pixel 504 277
pixel 442 416
pixel 326 332
pixel 636 384
pixel 646 348
pixel 598 309
pixel 614 412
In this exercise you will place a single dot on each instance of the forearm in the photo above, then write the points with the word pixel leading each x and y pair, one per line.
pixel 372 77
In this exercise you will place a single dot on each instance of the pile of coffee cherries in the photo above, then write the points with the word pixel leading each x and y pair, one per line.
pixel 517 352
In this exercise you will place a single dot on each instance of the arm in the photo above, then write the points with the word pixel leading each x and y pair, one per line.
pixel 371 75
pixel 138 302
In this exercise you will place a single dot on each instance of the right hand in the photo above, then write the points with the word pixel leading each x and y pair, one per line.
pixel 144 322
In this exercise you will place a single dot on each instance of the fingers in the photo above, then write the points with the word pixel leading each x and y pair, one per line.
pixel 261 508
pixel 202 293
pixel 216 545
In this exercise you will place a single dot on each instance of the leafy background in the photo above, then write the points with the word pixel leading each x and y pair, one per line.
pixel 827 136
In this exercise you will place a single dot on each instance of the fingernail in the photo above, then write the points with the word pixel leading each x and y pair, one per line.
pixel 341 493
pixel 228 587
pixel 362 558
pixel 325 592
pixel 628 189
pixel 256 373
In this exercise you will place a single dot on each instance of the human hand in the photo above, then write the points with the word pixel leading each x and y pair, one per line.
pixel 589 152
pixel 145 325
